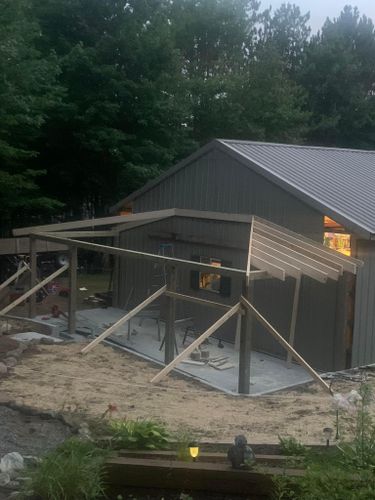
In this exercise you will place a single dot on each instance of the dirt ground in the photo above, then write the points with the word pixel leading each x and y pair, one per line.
pixel 59 378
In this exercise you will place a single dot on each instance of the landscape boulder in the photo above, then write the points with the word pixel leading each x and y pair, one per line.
pixel 3 369
pixel 11 463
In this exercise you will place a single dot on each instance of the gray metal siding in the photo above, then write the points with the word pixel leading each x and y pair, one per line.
pixel 316 319
pixel 218 182
pixel 364 325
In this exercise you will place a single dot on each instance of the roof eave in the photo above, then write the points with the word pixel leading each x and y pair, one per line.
pixel 167 173
pixel 363 232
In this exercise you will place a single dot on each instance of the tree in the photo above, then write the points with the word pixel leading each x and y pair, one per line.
pixel 287 33
pixel 122 118
pixel 27 91
pixel 339 76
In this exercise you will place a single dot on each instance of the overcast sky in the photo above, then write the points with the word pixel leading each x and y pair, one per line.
pixel 321 9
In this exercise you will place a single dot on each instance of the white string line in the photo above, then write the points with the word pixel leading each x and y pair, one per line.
pixel 212 392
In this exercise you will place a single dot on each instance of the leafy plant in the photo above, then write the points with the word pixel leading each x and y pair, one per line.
pixel 139 434
pixel 73 471
pixel 183 438
pixel 291 447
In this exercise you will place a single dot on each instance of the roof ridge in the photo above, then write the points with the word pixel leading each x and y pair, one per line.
pixel 302 146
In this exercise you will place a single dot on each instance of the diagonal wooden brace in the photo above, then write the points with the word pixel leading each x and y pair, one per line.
pixel 33 290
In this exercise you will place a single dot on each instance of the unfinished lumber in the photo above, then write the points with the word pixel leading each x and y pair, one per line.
pixel 33 276
pixel 72 301
pixel 197 300
pixel 124 319
pixel 33 290
pixel 293 320
pixel 279 338
pixel 184 354
pixel 14 276
pixel 159 259
pixel 170 332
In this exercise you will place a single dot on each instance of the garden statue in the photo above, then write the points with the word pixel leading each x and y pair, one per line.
pixel 240 454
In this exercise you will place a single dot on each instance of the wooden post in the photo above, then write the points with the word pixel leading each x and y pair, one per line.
pixel 245 344
pixel 72 304
pixel 33 276
pixel 280 339
pixel 116 273
pixel 170 334
pixel 197 342
pixel 245 328
pixel 342 341
pixel 293 320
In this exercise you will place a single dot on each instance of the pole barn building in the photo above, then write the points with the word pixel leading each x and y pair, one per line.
pixel 326 194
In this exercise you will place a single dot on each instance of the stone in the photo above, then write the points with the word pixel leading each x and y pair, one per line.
pixel 11 463
pixel 47 341
pixel 4 478
pixel 3 369
pixel 10 361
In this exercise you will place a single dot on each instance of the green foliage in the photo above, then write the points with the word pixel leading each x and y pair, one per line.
pixel 342 472
pixel 99 96
pixel 289 446
pixel 138 434
pixel 73 471
pixel 183 437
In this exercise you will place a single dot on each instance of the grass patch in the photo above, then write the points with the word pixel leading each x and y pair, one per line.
pixel 71 472
pixel 138 434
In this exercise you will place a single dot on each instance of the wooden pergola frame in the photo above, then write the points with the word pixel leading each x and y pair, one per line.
pixel 273 252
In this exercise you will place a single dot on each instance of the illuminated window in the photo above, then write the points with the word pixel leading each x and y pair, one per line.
pixel 336 238
pixel 210 281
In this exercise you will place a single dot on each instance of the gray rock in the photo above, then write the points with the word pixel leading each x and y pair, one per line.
pixel 4 478
pixel 11 463
pixel 3 369
pixel 10 361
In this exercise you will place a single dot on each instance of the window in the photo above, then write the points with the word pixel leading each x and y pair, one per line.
pixel 335 237
pixel 210 281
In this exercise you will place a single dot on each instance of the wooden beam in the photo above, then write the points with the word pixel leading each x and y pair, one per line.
pixel 116 273
pixel 72 303
pixel 103 221
pixel 14 276
pixel 289 269
pixel 120 228
pixel 33 290
pixel 211 215
pixel 249 253
pixel 332 269
pixel 197 300
pixel 122 252
pixel 21 246
pixel 170 334
pixel 280 339
pixel 33 276
pixel 300 243
pixel 233 310
pixel 245 353
pixel 86 234
pixel 293 321
pixel 124 319
pixel 269 267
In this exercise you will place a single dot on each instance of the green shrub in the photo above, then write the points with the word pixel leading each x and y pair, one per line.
pixel 73 471
pixel 182 439
pixel 291 447
pixel 138 434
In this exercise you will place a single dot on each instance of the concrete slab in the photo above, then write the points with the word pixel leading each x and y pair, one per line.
pixel 267 374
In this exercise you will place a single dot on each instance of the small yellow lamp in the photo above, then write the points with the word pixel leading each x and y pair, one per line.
pixel 194 451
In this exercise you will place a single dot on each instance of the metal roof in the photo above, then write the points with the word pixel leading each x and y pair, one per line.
pixel 337 182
